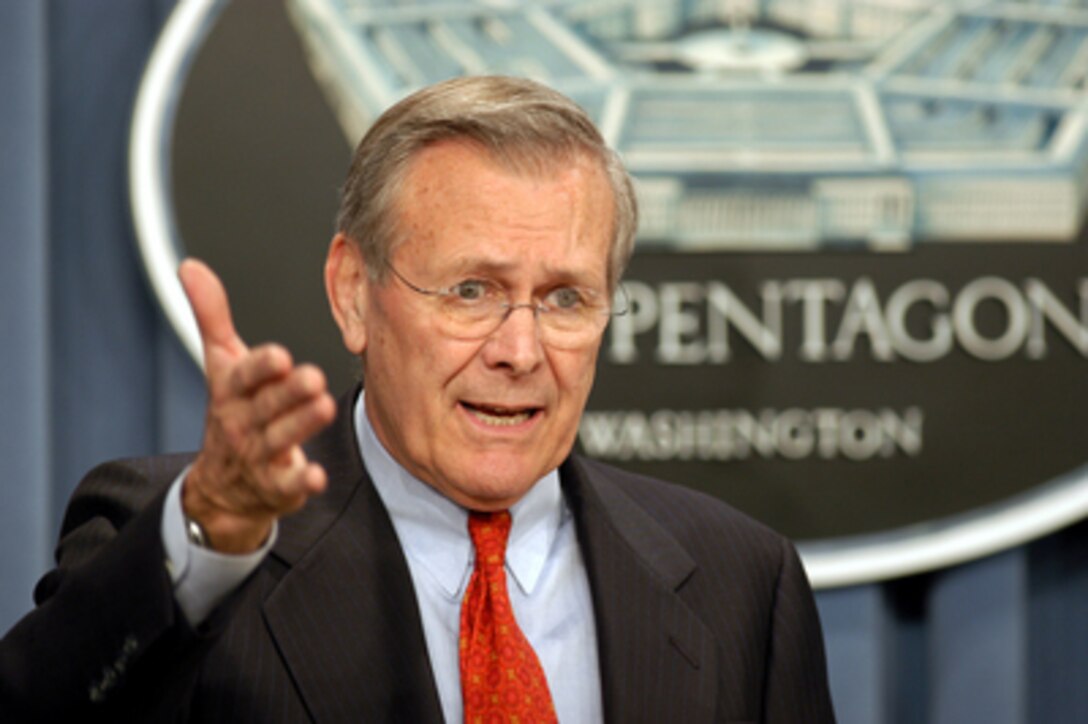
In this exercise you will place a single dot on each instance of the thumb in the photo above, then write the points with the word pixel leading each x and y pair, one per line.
pixel 208 299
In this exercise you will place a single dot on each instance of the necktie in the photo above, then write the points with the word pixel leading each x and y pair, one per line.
pixel 501 677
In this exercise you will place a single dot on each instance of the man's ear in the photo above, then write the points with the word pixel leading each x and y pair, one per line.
pixel 346 285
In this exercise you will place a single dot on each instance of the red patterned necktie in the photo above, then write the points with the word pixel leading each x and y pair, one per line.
pixel 501 677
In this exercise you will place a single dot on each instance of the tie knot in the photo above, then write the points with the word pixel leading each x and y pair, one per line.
pixel 489 532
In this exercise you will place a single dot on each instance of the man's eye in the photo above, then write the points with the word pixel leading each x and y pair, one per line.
pixel 566 299
pixel 470 290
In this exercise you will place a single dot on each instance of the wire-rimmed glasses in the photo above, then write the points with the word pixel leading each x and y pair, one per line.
pixel 569 316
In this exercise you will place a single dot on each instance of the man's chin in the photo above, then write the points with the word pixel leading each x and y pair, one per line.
pixel 490 484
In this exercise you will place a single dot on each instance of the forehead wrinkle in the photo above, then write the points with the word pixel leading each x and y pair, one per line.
pixel 561 273
pixel 569 223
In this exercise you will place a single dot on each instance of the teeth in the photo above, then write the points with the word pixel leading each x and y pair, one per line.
pixel 497 418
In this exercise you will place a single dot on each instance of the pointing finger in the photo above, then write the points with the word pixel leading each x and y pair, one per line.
pixel 211 308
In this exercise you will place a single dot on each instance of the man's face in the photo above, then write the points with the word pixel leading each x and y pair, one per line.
pixel 482 420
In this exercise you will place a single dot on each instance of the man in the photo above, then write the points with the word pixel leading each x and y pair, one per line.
pixel 334 562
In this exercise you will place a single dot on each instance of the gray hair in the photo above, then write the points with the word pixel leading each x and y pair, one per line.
pixel 523 124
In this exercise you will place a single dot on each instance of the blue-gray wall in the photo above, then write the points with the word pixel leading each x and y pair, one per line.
pixel 89 371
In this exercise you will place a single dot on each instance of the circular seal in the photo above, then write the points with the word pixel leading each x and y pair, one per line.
pixel 859 307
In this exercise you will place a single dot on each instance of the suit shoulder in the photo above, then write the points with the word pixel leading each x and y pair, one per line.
pixel 118 489
pixel 151 469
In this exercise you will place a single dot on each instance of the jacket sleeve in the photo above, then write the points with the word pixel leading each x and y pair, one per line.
pixel 105 641
pixel 796 684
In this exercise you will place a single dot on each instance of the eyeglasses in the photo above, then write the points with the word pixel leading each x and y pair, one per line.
pixel 569 316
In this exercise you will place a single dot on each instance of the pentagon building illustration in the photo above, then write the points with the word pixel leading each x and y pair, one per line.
pixel 773 124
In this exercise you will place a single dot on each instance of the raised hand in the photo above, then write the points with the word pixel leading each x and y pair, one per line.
pixel 262 407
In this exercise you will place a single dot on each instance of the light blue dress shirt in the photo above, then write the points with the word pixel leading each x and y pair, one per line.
pixel 546 577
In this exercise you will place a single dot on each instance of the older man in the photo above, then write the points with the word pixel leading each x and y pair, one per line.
pixel 428 549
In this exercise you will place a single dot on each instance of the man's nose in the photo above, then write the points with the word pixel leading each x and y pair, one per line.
pixel 516 343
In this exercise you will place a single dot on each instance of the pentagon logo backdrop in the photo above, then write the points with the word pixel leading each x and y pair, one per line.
pixel 859 301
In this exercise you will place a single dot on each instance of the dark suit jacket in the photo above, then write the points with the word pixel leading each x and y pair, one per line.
pixel 702 614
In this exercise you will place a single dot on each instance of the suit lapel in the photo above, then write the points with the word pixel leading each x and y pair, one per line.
pixel 345 619
pixel 344 616
pixel 657 658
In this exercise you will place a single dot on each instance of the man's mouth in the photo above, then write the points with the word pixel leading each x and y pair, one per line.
pixel 500 416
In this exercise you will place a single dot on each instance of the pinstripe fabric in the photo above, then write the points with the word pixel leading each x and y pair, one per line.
pixel 702 615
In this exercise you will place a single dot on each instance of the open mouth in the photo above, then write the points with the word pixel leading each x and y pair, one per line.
pixel 500 416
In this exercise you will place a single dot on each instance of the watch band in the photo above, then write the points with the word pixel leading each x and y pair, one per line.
pixel 194 531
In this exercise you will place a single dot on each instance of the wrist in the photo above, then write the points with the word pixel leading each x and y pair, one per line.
pixel 212 526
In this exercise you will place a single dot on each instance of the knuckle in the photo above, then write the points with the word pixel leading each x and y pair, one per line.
pixel 235 431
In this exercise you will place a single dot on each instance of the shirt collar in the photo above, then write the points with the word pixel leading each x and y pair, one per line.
pixel 433 530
